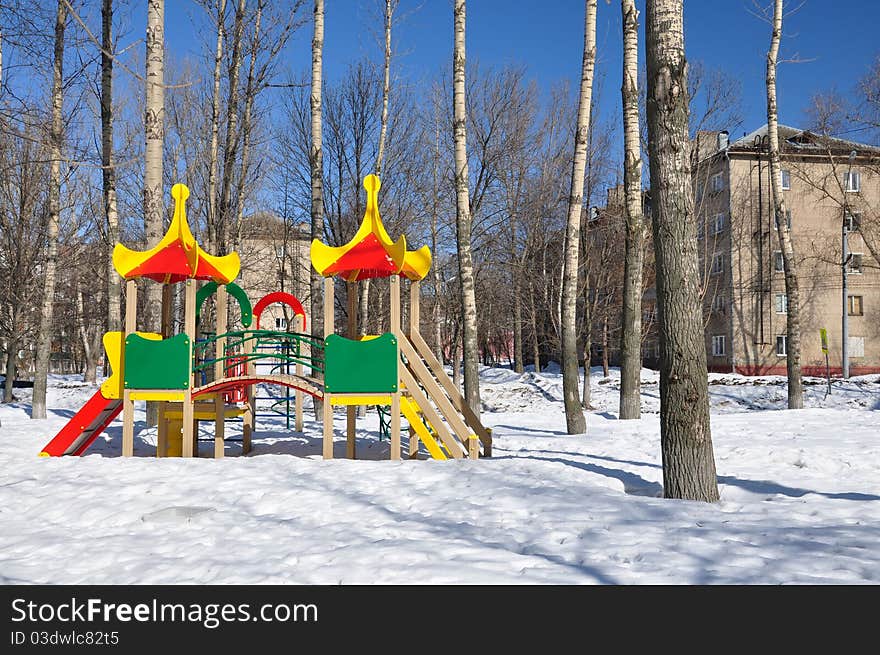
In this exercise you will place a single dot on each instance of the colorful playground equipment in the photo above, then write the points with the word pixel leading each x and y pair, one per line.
pixel 214 378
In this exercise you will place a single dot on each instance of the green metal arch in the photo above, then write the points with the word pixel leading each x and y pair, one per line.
pixel 247 312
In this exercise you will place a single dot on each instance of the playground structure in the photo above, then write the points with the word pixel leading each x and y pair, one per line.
pixel 214 378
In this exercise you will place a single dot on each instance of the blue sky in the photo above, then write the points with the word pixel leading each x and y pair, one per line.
pixel 839 40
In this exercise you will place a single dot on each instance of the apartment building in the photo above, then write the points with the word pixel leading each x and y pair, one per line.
pixel 832 193
pixel 275 257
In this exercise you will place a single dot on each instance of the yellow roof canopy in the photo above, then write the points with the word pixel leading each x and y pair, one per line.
pixel 371 252
pixel 177 256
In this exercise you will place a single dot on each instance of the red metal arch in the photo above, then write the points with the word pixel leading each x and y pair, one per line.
pixel 285 299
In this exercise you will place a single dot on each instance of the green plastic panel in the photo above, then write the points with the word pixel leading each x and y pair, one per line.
pixel 368 366
pixel 162 364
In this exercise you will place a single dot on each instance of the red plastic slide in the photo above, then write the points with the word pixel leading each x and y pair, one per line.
pixel 84 427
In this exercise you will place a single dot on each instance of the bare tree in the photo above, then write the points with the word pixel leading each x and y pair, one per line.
pixel 108 170
pixel 316 162
pixel 631 328
pixel 219 15
pixel 574 415
pixel 685 435
pixel 463 216
pixel 231 142
pixel 154 130
pixel 793 318
pixel 56 136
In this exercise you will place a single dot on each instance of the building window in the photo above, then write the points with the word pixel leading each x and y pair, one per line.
pixel 717 182
pixel 852 221
pixel 786 179
pixel 718 345
pixel 781 303
pixel 854 305
pixel 781 345
pixel 787 219
pixel 778 262
pixel 718 303
pixel 717 263
pixel 855 263
pixel 281 323
pixel 852 181
pixel 649 315
pixel 718 224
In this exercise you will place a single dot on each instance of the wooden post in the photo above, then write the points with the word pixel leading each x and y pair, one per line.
pixel 219 372
pixel 413 308
pixel 162 427
pixel 394 288
pixel 298 327
pixel 351 410
pixel 189 328
pixel 413 444
pixel 127 402
pixel 328 330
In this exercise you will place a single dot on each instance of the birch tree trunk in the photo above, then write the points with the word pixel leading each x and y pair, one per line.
pixel 247 126
pixel 316 162
pixel 231 143
pixel 91 341
pixel 574 412
pixel 435 215
pixel 631 327
pixel 686 439
pixel 793 317
pixel 215 129
pixel 44 336
pixel 386 86
pixel 586 392
pixel 470 352
pixel 154 132
pixel 108 172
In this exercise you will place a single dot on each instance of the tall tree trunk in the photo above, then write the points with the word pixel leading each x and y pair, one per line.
pixel 108 172
pixel 586 400
pixel 463 217
pixel 364 297
pixel 386 85
pixel 793 318
pixel 230 149
pixel 154 131
pixel 533 318
pixel 246 126
pixel 44 336
pixel 89 342
pixel 574 414
pixel 10 368
pixel 435 215
pixel 631 323
pixel 517 324
pixel 215 129
pixel 316 162
pixel 686 439
pixel 605 345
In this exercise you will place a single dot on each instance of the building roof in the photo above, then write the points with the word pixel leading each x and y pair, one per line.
pixel 793 140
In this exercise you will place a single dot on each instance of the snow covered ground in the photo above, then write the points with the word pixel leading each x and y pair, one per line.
pixel 800 498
